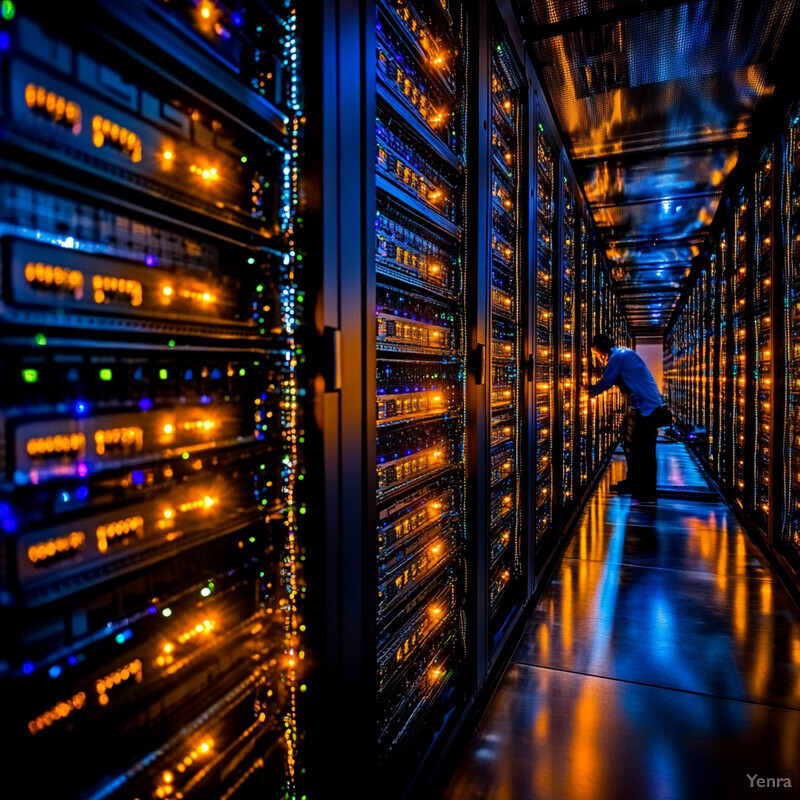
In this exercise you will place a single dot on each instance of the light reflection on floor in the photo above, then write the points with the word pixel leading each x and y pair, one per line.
pixel 663 661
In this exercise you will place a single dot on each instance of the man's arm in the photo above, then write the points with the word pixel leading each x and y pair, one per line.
pixel 610 375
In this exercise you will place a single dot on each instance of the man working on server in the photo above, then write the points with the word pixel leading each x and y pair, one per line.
pixel 646 413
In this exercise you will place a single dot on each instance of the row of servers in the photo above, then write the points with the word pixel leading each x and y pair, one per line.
pixel 149 440
pixel 294 333
pixel 733 351
pixel 464 528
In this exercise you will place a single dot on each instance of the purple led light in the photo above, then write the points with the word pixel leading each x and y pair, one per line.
pixel 83 470
pixel 151 260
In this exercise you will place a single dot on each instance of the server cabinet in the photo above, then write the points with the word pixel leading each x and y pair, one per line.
pixel 586 435
pixel 420 363
pixel 740 370
pixel 726 328
pixel 545 217
pixel 568 350
pixel 762 335
pixel 708 311
pixel 151 577
pixel 712 362
pixel 790 534
pixel 508 325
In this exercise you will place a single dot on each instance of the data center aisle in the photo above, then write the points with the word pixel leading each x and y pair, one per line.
pixel 663 661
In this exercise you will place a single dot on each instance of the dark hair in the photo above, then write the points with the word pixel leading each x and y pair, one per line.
pixel 603 343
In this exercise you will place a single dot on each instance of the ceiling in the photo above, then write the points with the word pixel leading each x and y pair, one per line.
pixel 654 99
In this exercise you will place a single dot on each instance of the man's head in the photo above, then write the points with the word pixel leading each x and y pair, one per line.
pixel 601 346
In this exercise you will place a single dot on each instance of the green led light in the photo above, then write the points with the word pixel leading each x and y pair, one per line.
pixel 167 612
pixel 251 261
pixel 302 511
pixel 40 339
pixel 541 127
pixel 205 591
pixel 30 375
pixel 171 343
pixel 9 10
pixel 162 373
pixel 303 688
pixel 185 456
pixel 260 287
pixel 106 374
pixel 263 502
pixel 242 371
pixel 252 540
pixel 244 159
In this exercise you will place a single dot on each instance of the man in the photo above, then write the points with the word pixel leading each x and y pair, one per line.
pixel 646 413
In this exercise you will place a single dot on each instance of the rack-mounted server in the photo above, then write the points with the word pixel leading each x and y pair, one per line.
pixel 421 372
pixel 506 508
pixel 566 378
pixel 147 302
pixel 545 340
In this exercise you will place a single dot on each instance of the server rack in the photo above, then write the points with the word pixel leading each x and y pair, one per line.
pixel 586 417
pixel 789 543
pixel 746 297
pixel 568 349
pixel 725 470
pixel 151 575
pixel 420 373
pixel 709 367
pixel 762 335
pixel 546 189
pixel 740 366
pixel 508 466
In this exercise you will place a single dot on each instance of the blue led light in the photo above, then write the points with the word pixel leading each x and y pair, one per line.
pixel 65 497
pixel 27 668
pixel 81 407
pixel 54 671
pixel 82 492
pixel 152 610
pixel 236 19
pixel 137 476
pixel 72 661
pixel 5 40
pixel 145 404
pixel 123 637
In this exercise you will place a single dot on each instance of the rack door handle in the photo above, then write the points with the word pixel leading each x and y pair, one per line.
pixel 332 338
pixel 480 364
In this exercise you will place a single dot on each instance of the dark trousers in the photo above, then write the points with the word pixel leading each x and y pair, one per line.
pixel 639 436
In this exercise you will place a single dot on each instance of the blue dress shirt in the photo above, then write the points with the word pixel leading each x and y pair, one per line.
pixel 628 365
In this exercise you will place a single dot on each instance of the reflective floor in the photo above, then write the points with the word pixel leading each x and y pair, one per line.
pixel 663 661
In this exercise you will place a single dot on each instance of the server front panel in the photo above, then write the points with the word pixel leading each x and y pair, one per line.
pixel 147 265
